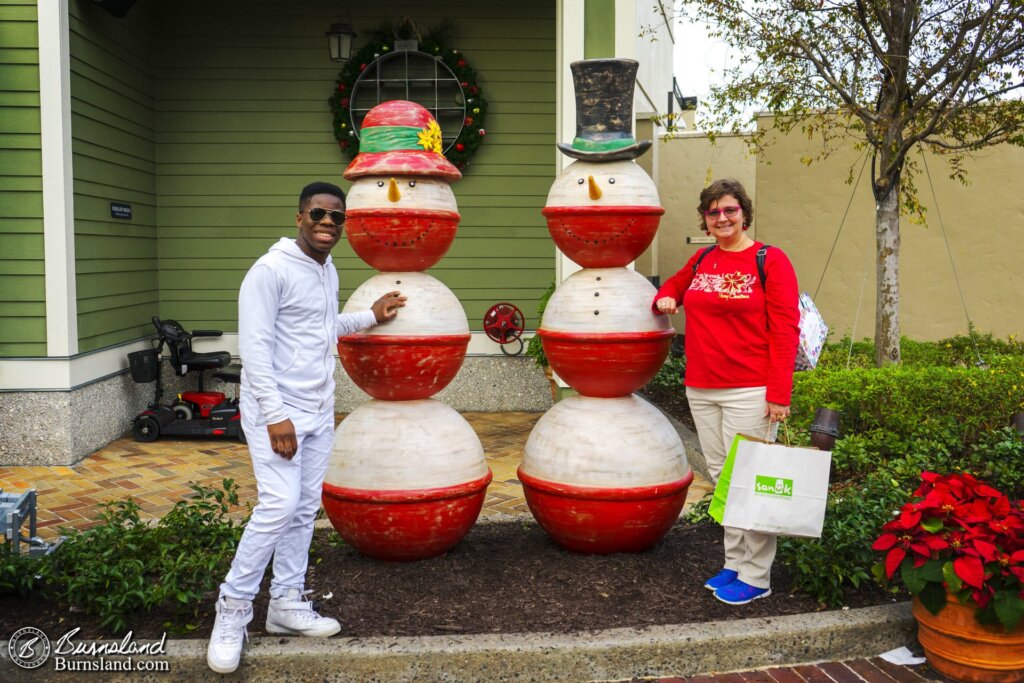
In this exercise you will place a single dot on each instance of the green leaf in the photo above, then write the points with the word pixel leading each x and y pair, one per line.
pixel 912 577
pixel 933 597
pixel 949 574
pixel 932 525
pixel 1009 608
pixel 932 571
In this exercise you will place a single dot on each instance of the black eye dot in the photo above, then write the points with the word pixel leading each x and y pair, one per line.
pixel 380 183
pixel 412 183
pixel 611 181
pixel 398 282
pixel 580 181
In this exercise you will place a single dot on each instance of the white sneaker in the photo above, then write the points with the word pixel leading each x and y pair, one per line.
pixel 293 614
pixel 229 632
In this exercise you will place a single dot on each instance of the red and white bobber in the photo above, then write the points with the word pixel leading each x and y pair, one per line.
pixel 407 477
pixel 600 337
pixel 406 480
pixel 401 214
pixel 604 471
pixel 603 214
pixel 605 475
pixel 417 353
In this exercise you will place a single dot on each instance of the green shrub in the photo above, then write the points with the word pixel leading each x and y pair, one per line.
pixel 824 567
pixel 125 565
pixel 18 573
pixel 900 399
pixel 534 347
pixel 958 351
pixel 670 376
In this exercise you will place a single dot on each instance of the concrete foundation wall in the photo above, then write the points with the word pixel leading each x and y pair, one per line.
pixel 49 428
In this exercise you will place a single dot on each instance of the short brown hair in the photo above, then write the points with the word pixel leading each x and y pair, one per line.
pixel 718 189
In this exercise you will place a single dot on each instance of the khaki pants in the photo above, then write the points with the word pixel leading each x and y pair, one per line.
pixel 719 415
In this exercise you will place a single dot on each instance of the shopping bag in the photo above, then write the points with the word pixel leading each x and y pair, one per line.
pixel 717 507
pixel 813 332
pixel 777 489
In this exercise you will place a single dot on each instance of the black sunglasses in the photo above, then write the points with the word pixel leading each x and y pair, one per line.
pixel 317 213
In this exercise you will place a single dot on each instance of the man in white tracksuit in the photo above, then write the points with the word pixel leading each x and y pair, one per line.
pixel 288 325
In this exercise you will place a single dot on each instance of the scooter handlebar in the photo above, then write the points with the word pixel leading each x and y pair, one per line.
pixel 206 333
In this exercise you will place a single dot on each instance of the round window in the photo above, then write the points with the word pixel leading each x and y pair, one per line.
pixel 417 77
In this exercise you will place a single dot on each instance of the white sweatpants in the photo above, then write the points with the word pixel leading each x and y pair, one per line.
pixel 719 414
pixel 289 496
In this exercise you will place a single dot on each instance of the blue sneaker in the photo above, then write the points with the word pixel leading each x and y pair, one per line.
pixel 739 593
pixel 721 579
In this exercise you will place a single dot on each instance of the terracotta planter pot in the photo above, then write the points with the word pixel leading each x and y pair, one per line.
pixel 957 646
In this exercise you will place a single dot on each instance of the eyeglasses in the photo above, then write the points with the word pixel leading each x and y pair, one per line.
pixel 317 213
pixel 729 211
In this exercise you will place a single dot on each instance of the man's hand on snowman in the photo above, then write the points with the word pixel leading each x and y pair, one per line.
pixel 386 307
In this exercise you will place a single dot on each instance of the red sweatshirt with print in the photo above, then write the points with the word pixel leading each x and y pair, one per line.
pixel 733 339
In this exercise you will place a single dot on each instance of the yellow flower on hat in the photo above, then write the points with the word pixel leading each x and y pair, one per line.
pixel 430 137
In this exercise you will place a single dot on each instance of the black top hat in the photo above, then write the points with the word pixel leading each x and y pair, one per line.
pixel 604 111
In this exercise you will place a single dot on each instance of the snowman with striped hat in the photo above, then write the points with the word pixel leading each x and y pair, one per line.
pixel 401 214
pixel 407 476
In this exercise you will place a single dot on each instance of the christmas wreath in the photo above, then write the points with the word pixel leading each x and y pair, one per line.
pixel 473 130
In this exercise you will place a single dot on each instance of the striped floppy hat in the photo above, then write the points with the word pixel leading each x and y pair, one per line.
pixel 400 138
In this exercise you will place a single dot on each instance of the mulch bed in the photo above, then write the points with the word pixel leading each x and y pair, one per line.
pixel 504 577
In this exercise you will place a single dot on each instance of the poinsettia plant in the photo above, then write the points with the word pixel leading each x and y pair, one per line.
pixel 958 536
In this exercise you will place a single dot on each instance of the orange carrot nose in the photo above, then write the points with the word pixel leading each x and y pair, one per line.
pixel 393 194
pixel 595 191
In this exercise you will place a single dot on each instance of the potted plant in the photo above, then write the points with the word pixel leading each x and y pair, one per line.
pixel 958 547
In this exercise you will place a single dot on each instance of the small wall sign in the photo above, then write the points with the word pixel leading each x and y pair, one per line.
pixel 120 210
pixel 700 240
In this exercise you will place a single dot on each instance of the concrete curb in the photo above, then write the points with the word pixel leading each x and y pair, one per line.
pixel 613 654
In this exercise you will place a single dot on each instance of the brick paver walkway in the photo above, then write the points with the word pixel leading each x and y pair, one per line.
pixel 158 474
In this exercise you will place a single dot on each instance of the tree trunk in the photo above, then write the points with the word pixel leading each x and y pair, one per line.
pixel 887 249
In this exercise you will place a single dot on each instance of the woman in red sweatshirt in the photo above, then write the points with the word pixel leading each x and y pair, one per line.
pixel 741 341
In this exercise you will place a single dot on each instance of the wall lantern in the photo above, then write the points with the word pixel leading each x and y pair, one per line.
pixel 339 42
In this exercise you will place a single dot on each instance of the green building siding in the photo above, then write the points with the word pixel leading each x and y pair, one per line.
pixel 22 284
pixel 242 124
pixel 114 160
pixel 207 118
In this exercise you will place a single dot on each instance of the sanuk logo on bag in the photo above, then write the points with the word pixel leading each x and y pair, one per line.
pixel 773 486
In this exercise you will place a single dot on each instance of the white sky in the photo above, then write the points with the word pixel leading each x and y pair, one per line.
pixel 697 59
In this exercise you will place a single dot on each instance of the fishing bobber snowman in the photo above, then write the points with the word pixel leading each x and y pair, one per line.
pixel 407 477
pixel 604 471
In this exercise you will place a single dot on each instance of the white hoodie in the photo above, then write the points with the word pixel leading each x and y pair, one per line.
pixel 288 325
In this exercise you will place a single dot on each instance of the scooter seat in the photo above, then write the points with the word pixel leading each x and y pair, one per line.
pixel 203 361
pixel 232 374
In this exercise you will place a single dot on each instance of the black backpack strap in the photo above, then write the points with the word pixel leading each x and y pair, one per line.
pixel 703 253
pixel 761 254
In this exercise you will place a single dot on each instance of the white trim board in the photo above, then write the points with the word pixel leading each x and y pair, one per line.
pixel 58 179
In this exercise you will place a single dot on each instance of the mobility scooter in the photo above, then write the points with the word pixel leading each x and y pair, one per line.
pixel 193 413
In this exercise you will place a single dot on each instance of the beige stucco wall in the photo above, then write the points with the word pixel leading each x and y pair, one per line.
pixel 799 208
pixel 687 162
